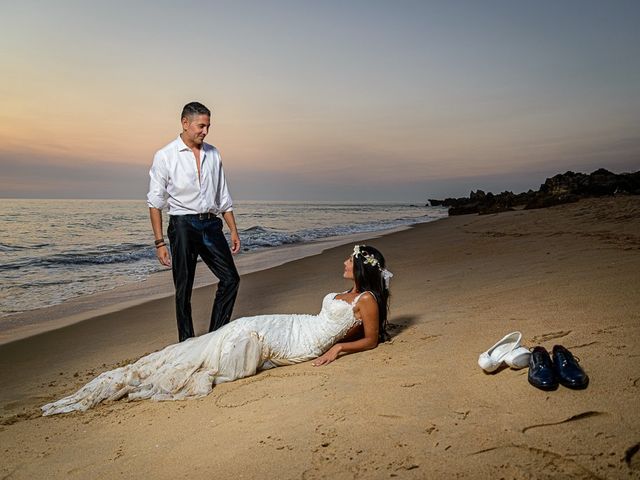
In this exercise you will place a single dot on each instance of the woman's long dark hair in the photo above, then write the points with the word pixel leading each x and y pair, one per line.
pixel 369 278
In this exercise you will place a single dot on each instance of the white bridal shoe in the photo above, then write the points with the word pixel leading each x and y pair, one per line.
pixel 506 350
pixel 518 357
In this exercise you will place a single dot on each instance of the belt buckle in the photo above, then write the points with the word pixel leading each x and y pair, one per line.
pixel 204 216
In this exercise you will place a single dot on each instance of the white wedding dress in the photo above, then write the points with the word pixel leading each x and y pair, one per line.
pixel 238 349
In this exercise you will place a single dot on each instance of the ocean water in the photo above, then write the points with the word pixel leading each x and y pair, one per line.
pixel 55 250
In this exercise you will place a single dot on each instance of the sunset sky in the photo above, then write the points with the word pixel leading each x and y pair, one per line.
pixel 323 100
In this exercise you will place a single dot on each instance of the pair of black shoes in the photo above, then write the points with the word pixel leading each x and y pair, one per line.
pixel 545 374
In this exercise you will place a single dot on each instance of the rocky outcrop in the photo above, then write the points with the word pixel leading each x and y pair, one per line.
pixel 562 188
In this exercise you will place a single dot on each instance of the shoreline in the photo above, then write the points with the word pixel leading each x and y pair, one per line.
pixel 159 285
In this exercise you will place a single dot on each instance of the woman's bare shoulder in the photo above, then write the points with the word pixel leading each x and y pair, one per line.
pixel 367 300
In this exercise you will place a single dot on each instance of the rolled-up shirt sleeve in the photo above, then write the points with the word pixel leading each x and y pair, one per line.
pixel 158 177
pixel 223 197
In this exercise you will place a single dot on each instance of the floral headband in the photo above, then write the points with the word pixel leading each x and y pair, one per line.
pixel 373 261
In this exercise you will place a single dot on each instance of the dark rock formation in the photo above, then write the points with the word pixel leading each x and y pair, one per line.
pixel 562 188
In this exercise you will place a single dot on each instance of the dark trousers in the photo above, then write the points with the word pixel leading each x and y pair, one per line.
pixel 190 236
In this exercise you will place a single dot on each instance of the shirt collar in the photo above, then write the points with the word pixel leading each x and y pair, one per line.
pixel 181 145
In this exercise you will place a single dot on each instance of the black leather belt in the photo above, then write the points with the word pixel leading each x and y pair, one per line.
pixel 199 216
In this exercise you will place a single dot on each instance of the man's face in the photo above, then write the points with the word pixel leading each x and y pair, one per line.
pixel 196 128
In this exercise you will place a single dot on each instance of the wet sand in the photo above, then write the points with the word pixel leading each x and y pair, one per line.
pixel 415 407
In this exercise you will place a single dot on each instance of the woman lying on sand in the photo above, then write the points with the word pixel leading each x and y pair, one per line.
pixel 241 348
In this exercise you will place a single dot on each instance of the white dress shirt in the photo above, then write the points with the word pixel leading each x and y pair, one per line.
pixel 174 181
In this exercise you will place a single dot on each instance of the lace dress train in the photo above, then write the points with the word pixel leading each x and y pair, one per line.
pixel 239 349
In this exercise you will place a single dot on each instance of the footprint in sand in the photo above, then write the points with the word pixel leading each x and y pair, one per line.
pixel 118 453
pixel 430 338
pixel 331 457
pixel 530 462
pixel 607 330
pixel 324 459
pixel 269 386
pixel 20 417
pixel 545 337
pixel 276 443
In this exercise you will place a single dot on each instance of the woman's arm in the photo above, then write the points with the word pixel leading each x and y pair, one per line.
pixel 367 311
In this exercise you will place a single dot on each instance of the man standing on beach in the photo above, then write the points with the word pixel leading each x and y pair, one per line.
pixel 187 178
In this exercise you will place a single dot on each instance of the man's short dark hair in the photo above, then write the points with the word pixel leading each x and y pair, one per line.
pixel 192 109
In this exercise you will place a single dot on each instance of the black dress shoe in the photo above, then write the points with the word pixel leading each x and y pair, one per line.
pixel 568 372
pixel 541 374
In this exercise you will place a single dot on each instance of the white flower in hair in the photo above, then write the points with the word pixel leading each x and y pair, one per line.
pixel 386 275
pixel 373 261
pixel 368 259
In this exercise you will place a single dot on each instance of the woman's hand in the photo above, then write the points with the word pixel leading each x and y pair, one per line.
pixel 327 357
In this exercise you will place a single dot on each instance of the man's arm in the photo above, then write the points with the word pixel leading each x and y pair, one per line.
pixel 231 223
pixel 157 200
pixel 162 252
pixel 226 205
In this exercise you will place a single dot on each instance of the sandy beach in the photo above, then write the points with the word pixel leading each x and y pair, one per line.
pixel 417 406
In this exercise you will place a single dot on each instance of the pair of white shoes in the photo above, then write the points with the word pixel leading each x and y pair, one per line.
pixel 507 350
